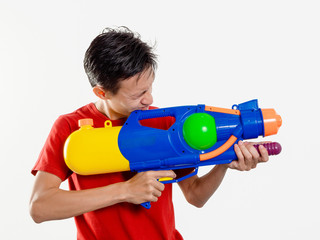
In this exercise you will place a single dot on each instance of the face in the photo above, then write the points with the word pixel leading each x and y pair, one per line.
pixel 135 93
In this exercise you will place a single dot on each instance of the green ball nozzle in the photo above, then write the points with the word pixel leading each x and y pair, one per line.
pixel 199 131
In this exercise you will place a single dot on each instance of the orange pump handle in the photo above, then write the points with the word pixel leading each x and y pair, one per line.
pixel 220 150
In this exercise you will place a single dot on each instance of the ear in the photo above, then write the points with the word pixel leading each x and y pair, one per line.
pixel 99 92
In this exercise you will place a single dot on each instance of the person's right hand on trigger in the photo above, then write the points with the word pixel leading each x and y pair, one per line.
pixel 145 187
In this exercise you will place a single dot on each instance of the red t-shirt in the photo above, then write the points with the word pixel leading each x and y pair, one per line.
pixel 121 221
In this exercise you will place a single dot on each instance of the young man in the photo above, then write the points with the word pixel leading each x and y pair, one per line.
pixel 121 70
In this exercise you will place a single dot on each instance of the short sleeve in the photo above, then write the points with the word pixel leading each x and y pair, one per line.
pixel 51 156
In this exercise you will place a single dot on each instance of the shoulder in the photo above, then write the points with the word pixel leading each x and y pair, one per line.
pixel 69 121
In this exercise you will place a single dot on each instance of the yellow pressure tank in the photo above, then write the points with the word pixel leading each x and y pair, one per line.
pixel 91 150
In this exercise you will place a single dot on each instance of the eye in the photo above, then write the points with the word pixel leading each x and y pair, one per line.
pixel 137 96
pixel 144 92
pixel 140 95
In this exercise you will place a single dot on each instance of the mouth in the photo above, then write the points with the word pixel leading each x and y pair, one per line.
pixel 144 108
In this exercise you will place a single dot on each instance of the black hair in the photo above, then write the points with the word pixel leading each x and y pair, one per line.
pixel 116 55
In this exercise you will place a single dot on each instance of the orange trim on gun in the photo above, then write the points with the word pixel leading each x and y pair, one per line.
pixel 220 150
pixel 222 110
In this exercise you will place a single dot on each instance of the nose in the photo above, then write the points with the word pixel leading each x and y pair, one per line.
pixel 147 99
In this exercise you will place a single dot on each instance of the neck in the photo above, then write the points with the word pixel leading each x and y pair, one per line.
pixel 103 107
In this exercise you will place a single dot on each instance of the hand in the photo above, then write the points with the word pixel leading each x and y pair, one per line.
pixel 145 187
pixel 248 156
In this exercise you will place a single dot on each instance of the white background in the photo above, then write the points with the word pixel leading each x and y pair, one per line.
pixel 212 52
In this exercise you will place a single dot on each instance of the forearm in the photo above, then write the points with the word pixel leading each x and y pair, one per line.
pixel 55 203
pixel 204 187
pixel 49 202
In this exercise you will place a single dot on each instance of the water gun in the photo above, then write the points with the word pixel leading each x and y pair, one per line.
pixel 201 135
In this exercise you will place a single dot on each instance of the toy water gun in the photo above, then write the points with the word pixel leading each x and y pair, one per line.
pixel 201 135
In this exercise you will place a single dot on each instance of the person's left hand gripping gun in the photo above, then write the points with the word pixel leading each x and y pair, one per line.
pixel 201 135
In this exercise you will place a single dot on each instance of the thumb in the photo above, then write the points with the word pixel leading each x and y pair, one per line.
pixel 164 174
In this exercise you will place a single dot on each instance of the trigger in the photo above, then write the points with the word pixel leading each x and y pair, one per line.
pixel 165 179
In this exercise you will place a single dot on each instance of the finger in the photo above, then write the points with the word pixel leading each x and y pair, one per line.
pixel 164 174
pixel 153 199
pixel 157 194
pixel 159 186
pixel 152 181
pixel 255 155
pixel 240 164
pixel 264 154
pixel 248 158
pixel 150 193
pixel 234 165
